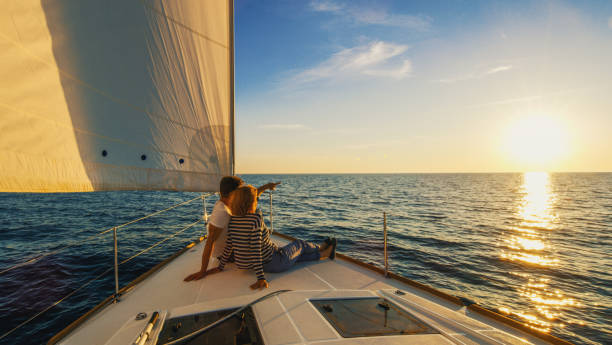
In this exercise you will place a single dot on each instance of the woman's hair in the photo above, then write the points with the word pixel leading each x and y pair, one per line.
pixel 243 199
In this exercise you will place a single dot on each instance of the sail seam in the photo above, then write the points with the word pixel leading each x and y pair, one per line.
pixel 172 38
pixel 194 31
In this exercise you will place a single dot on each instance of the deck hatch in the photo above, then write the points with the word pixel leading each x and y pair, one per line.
pixel 368 317
pixel 238 330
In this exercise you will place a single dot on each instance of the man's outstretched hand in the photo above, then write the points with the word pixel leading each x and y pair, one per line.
pixel 268 186
pixel 260 284
pixel 201 274
pixel 272 185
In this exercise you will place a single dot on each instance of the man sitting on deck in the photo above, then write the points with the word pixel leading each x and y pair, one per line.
pixel 219 219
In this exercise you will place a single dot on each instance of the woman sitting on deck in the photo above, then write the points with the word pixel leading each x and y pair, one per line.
pixel 250 242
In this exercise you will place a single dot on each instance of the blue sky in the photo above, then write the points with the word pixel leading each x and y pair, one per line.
pixel 423 86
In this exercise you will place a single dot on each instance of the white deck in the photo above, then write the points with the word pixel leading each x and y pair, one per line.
pixel 287 318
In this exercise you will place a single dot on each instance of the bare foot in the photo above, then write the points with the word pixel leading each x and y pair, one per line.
pixel 326 252
pixel 323 246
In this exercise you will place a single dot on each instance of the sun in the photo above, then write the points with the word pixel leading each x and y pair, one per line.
pixel 536 142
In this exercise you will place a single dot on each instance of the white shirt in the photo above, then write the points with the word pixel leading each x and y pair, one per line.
pixel 220 218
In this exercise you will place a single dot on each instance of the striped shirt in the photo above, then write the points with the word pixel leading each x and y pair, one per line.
pixel 250 242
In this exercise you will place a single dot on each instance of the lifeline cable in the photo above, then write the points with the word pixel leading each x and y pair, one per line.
pixel 36 258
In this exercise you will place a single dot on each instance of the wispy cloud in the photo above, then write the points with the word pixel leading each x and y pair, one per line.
pixel 371 15
pixel 508 101
pixel 397 73
pixel 499 69
pixel 476 75
pixel 379 59
pixel 529 98
pixel 325 6
pixel 283 126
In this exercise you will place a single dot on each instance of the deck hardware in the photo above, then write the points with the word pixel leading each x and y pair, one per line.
pixel 104 153
pixel 116 296
pixel 384 305
pixel 177 326
pixel 181 161
pixel 328 308
pixel 368 317
pixel 399 292
pixel 146 333
pixel 143 157
pixel 141 316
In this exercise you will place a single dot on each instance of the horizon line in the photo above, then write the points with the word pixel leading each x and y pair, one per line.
pixel 422 172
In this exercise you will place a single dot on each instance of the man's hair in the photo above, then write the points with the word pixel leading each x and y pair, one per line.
pixel 229 184
pixel 243 200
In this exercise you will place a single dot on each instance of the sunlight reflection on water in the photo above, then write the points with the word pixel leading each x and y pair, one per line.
pixel 527 244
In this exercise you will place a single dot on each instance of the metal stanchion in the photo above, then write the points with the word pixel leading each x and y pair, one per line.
pixel 116 299
pixel 205 211
pixel 204 215
pixel 385 236
pixel 271 217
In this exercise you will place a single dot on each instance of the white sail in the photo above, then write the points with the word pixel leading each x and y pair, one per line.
pixel 115 95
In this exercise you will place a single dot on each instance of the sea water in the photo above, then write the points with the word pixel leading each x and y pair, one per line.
pixel 535 247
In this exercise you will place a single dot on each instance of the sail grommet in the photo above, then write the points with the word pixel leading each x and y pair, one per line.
pixel 104 153
pixel 181 161
pixel 143 157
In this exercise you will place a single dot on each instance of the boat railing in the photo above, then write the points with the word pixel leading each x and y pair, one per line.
pixel 385 253
pixel 115 267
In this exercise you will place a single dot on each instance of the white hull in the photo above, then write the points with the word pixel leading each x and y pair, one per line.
pixel 290 318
